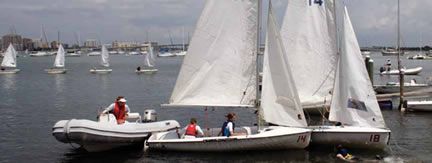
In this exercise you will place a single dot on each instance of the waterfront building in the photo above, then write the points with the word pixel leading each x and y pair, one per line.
pixel 91 43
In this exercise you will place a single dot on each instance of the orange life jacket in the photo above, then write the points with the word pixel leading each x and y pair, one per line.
pixel 120 113
pixel 191 130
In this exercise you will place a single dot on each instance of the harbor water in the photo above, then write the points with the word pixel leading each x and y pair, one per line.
pixel 32 101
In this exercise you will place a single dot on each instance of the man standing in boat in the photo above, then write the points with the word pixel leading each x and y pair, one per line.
pixel 119 109
pixel 388 65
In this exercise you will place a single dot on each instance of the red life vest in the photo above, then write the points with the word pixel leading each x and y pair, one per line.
pixel 120 113
pixel 191 130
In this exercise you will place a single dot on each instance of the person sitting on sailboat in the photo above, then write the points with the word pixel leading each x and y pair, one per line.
pixel 119 109
pixel 192 130
pixel 228 126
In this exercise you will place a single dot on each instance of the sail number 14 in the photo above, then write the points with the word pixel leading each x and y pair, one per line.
pixel 374 138
pixel 319 2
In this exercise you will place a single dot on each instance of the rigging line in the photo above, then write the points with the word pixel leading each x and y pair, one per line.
pixel 322 83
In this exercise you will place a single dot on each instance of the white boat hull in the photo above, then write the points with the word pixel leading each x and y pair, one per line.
pixel 73 55
pixel 411 71
pixel 382 89
pixel 276 138
pixel 349 136
pixel 167 54
pixel 101 136
pixel 391 53
pixel 146 71
pixel 9 71
pixel 56 71
pixel 100 71
pixel 419 105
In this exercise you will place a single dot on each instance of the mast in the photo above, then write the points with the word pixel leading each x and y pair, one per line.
pixel 183 40
pixel 401 73
pixel 257 101
pixel 337 55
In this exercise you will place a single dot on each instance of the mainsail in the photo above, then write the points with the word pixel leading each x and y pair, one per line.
pixel 60 57
pixel 280 102
pixel 354 101
pixel 309 35
pixel 9 59
pixel 220 68
pixel 105 57
pixel 149 58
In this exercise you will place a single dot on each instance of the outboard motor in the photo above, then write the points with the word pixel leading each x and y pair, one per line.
pixel 382 69
pixel 150 115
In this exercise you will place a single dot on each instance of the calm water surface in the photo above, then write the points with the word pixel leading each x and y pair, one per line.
pixel 32 101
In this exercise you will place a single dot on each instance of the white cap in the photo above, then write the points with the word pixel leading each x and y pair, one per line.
pixel 122 100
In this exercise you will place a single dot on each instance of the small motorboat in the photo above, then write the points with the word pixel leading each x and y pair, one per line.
pixel 390 52
pixel 393 87
pixel 56 71
pixel 100 71
pixel 425 105
pixel 410 71
pixel 105 134
pixel 146 71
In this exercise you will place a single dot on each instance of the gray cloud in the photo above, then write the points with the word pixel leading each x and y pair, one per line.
pixel 373 20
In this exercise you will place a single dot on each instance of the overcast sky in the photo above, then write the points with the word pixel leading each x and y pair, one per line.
pixel 129 20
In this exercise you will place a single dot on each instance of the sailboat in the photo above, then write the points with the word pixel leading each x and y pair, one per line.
pixel 148 63
pixel 183 52
pixel 104 62
pixel 203 77
pixel 59 62
pixel 8 65
pixel 354 104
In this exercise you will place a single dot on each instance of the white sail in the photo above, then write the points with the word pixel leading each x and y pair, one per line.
pixel 60 57
pixel 354 101
pixel 308 33
pixel 220 68
pixel 149 58
pixel 279 99
pixel 105 57
pixel 9 59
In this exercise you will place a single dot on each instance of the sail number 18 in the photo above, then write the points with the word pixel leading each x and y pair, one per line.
pixel 374 138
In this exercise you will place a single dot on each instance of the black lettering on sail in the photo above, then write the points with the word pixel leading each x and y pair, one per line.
pixel 356 104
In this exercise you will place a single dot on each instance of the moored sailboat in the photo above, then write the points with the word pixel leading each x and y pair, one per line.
pixel 8 65
pixel 199 83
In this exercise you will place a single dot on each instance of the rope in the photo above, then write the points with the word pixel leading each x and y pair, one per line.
pixel 67 129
